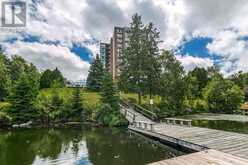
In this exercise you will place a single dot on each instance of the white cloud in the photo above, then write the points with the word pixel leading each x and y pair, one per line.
pixel 190 62
pixel 49 57
pixel 234 51
pixel 73 21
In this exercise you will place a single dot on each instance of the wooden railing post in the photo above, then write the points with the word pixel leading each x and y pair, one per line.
pixel 151 126
pixel 134 118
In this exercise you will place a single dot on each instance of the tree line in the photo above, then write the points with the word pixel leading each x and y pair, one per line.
pixel 43 98
pixel 149 71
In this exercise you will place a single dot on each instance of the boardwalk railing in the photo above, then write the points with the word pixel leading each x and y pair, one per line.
pixel 149 114
pixel 144 125
pixel 181 122
pixel 128 115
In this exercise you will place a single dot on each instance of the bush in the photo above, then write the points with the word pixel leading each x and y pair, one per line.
pixel 4 119
pixel 223 96
pixel 200 106
pixel 107 116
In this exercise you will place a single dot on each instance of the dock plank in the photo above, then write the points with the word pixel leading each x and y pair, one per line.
pixel 198 139
pixel 207 157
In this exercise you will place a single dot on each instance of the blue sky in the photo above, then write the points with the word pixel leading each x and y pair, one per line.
pixel 66 34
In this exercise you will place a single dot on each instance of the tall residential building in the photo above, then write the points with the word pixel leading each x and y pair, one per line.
pixel 118 44
pixel 105 53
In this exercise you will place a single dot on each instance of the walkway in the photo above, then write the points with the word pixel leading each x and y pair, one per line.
pixel 194 138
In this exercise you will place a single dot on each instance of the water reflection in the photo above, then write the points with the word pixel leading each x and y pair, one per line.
pixel 81 146
pixel 225 125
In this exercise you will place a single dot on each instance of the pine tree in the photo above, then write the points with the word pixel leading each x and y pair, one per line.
pixel 5 80
pixel 109 92
pixel 77 105
pixel 58 77
pixel 50 78
pixel 22 100
pixel 150 57
pixel 96 73
pixel 133 76
pixel 46 80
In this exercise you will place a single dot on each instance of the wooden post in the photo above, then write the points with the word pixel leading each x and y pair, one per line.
pixel 189 123
pixel 174 122
pixel 145 125
pixel 181 122
pixel 133 118
pixel 151 127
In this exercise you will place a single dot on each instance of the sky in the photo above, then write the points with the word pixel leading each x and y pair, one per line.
pixel 66 33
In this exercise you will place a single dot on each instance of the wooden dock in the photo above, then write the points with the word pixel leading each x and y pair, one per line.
pixel 207 157
pixel 181 133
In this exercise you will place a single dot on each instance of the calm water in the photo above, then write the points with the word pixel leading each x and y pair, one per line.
pixel 79 146
pixel 225 125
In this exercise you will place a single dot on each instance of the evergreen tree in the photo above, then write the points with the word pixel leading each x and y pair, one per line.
pixel 5 81
pixel 18 66
pixel 77 109
pixel 109 92
pixel 150 57
pixel 50 78
pixel 46 79
pixel 22 99
pixel 133 76
pixel 56 106
pixel 58 77
pixel 96 74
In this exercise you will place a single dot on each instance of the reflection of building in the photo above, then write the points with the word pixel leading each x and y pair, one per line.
pixel 118 43
pixel 105 53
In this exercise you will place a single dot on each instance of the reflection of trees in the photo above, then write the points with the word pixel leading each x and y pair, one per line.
pixel 115 147
pixel 21 147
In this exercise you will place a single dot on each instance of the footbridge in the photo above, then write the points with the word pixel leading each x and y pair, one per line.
pixel 232 148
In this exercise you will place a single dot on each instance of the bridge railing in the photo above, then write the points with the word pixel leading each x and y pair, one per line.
pixel 175 121
pixel 129 115
pixel 149 126
pixel 149 114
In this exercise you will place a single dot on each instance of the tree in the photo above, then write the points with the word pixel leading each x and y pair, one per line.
pixel 49 78
pixel 46 79
pixel 5 80
pixel 77 105
pixel 196 81
pixel 223 96
pixel 17 67
pixel 96 73
pixel 22 99
pixel 172 89
pixel 109 92
pixel 132 76
pixel 150 57
pixel 58 77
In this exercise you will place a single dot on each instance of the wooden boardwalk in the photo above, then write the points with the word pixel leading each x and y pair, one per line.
pixel 207 157
pixel 194 138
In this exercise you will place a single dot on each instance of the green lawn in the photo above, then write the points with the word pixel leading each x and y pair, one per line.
pixel 132 97
pixel 90 99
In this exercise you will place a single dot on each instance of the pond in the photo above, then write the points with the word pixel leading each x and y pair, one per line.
pixel 79 146
pixel 225 122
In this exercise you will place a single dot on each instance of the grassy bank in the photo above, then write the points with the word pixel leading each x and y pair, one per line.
pixel 90 99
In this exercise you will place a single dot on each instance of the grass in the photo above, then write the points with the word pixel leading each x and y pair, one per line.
pixel 90 99
pixel 3 105
pixel 145 100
